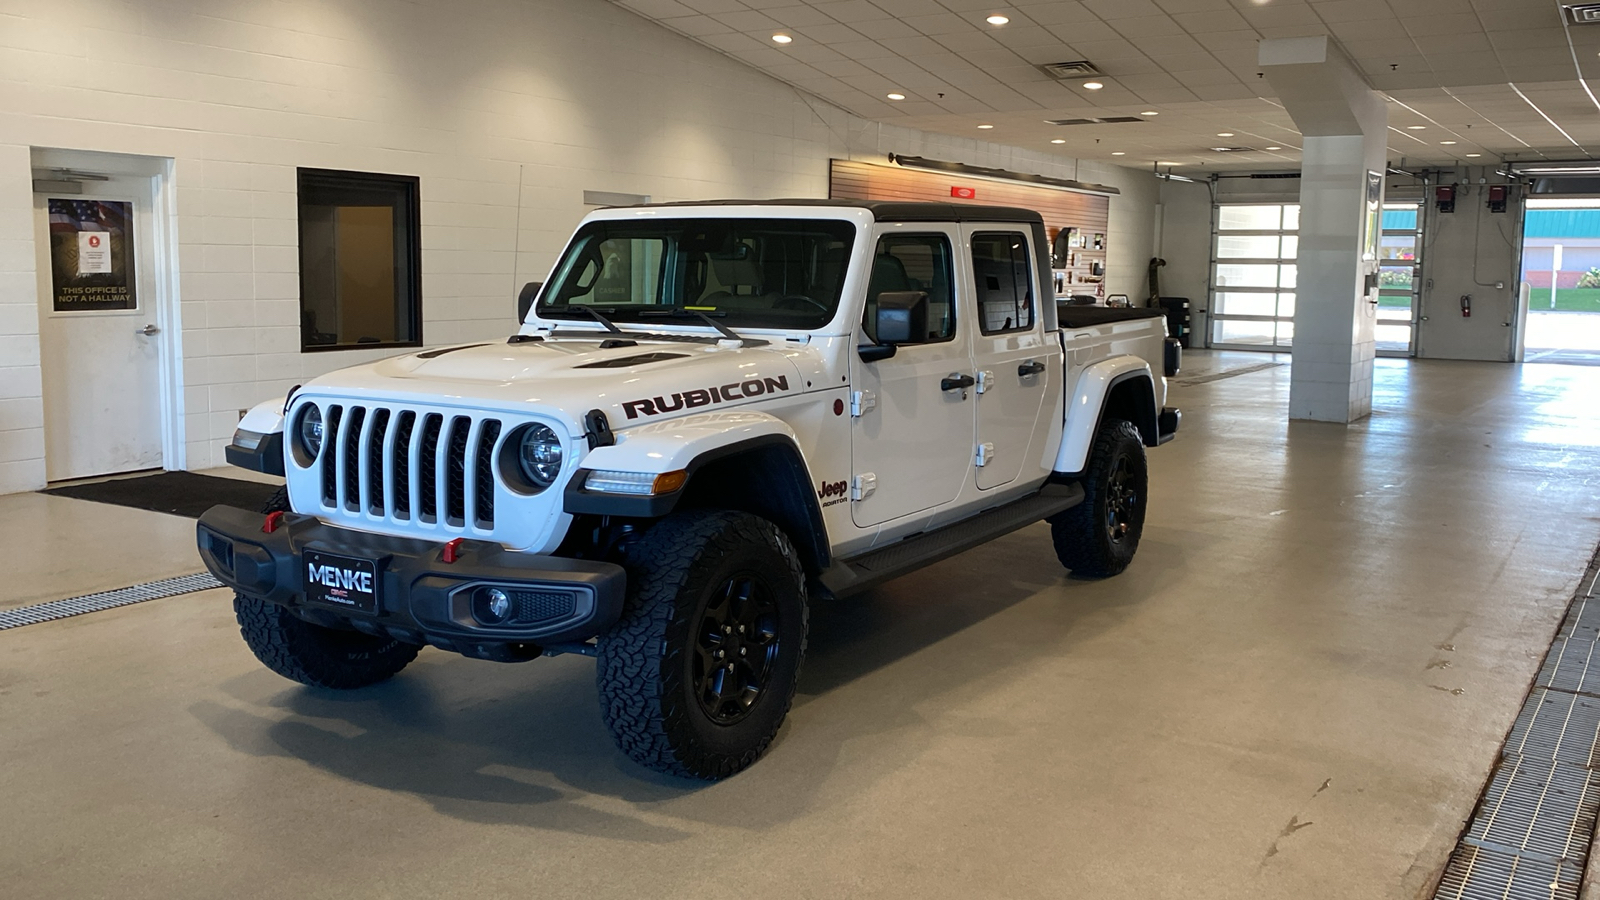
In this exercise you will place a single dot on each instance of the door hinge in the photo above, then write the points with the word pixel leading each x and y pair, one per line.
pixel 863 486
pixel 985 454
pixel 862 402
pixel 985 381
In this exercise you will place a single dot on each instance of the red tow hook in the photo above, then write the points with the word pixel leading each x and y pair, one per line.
pixel 274 520
pixel 451 551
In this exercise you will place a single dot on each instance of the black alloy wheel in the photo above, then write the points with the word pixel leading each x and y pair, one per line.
pixel 1122 501
pixel 737 644
pixel 1098 537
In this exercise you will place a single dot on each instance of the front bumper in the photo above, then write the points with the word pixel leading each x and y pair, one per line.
pixel 421 598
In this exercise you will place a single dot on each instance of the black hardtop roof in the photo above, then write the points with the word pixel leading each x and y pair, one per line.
pixel 884 210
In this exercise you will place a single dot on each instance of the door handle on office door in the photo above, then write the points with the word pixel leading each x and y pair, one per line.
pixel 956 381
pixel 147 330
pixel 1031 367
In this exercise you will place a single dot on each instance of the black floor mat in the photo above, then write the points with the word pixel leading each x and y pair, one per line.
pixel 178 493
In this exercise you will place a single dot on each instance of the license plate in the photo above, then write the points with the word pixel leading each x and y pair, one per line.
pixel 341 580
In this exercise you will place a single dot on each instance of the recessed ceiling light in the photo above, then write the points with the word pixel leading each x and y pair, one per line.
pixel 1447 143
pixel 1149 112
pixel 896 96
pixel 781 39
pixel 1092 85
pixel 1224 134
pixel 1118 153
pixel 1058 141
pixel 1474 154
pixel 985 126
pixel 1274 148
pixel 1415 127
pixel 997 19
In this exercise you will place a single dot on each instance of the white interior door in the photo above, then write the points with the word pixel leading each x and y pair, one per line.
pixel 100 358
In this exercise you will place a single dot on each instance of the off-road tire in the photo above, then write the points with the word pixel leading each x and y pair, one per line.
pixel 311 654
pixel 651 698
pixel 1098 537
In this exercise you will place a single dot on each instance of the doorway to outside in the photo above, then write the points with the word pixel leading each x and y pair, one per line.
pixel 1561 266
pixel 107 323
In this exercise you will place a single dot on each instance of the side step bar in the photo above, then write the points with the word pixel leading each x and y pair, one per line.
pixel 851 576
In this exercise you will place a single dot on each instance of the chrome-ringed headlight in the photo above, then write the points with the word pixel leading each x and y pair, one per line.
pixel 308 433
pixel 540 455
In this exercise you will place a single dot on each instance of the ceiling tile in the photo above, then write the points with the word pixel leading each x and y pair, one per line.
pixel 1122 9
pixel 879 29
pixel 943 23
pixel 1228 40
pixel 696 26
pixel 797 16
pixel 747 20
pixel 830 34
pixel 852 10
pixel 1063 13
pixel 1211 20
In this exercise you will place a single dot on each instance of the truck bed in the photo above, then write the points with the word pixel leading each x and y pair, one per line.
pixel 1089 316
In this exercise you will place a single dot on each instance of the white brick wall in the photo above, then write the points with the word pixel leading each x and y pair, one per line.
pixel 483 99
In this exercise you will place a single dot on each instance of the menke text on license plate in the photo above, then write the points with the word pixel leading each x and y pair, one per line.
pixel 341 580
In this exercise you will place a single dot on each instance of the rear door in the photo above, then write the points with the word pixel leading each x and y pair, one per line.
pixel 911 440
pixel 1015 368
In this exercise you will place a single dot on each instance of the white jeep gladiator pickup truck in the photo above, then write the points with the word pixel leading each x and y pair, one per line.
pixel 713 415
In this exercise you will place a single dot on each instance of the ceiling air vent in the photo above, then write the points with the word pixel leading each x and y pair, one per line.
pixel 1584 13
pixel 1108 120
pixel 1067 71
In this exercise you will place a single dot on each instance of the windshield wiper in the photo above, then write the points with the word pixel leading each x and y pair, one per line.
pixel 595 314
pixel 678 312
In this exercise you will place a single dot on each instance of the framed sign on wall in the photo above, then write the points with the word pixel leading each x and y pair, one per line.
pixel 91 255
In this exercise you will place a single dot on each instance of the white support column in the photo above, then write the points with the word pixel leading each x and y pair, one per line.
pixel 1344 124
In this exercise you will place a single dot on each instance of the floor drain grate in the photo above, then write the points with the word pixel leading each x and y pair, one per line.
pixel 1530 835
pixel 88 603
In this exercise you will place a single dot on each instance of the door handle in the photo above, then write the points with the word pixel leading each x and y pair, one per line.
pixel 957 382
pixel 147 330
pixel 1031 367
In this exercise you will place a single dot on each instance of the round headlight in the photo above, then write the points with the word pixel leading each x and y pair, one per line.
pixel 540 455
pixel 311 430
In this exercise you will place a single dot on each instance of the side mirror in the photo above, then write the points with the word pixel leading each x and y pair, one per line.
pixel 530 293
pixel 902 318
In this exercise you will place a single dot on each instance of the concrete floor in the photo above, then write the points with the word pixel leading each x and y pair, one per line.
pixel 1296 691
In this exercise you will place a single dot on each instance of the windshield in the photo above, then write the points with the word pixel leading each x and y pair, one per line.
pixel 752 273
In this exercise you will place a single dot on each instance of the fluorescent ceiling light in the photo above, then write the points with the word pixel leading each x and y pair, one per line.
pixel 1149 112
pixel 1274 148
pixel 997 19
pixel 1415 127
pixel 1118 153
pixel 1092 85
pixel 1471 155
pixel 781 39
pixel 896 96
pixel 1059 141
pixel 1164 163
pixel 1447 143
pixel 1224 134
pixel 1559 169
pixel 985 126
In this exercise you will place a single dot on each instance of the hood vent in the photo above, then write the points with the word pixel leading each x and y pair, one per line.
pixel 435 354
pixel 1108 120
pixel 622 362
pixel 1068 71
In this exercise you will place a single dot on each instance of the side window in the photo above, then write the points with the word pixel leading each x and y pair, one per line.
pixel 1003 277
pixel 915 262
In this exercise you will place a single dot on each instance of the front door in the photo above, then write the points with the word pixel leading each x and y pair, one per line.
pixel 911 438
pixel 99 354
pixel 1008 351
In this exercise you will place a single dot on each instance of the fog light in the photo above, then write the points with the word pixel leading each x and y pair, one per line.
pixel 495 606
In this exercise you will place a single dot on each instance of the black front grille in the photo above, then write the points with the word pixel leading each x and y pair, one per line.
pixel 386 462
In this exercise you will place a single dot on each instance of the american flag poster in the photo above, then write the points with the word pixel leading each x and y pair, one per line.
pixel 91 254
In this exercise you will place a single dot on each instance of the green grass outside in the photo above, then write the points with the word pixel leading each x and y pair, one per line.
pixel 1567 299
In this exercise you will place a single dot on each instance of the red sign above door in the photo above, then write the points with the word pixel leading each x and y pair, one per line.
pixel 964 193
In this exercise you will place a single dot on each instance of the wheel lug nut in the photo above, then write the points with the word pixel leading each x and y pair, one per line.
pixel 741 629
pixel 727 630
pixel 743 651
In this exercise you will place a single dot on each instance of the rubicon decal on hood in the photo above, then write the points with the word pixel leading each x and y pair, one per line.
pixel 727 393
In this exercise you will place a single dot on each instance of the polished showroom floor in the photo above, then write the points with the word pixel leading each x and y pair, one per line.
pixel 1297 690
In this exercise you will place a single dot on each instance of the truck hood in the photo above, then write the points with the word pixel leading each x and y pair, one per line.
pixel 641 380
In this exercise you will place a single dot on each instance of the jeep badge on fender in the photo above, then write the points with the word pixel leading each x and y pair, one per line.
pixel 712 416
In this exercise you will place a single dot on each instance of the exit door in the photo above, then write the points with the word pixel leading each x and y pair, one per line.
pixel 100 354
